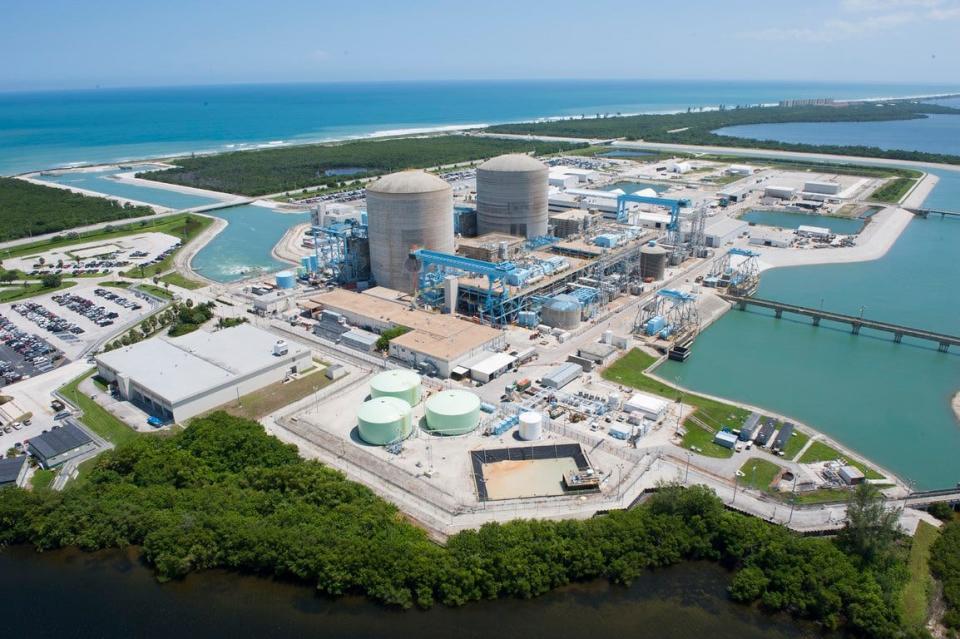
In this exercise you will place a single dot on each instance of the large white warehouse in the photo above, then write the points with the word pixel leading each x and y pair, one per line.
pixel 180 377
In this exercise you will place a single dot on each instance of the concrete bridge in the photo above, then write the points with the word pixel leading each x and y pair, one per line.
pixel 943 341
pixel 925 498
pixel 924 213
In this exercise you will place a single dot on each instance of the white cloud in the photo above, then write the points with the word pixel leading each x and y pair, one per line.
pixel 875 16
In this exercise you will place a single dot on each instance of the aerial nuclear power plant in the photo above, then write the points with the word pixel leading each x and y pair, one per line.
pixel 515 241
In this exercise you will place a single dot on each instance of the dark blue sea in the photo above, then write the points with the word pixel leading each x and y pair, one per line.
pixel 54 129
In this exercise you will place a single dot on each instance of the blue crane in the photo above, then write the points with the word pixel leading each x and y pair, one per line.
pixel 434 265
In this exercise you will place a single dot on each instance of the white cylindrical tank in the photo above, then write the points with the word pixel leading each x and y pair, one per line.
pixel 531 426
pixel 608 337
pixel 512 196
pixel 406 211
pixel 401 383
pixel 613 401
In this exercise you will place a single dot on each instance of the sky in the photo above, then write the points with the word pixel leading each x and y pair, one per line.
pixel 65 44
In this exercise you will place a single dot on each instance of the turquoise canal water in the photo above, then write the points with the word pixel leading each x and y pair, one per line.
pixel 243 248
pixel 890 402
pixel 103 182
pixel 790 220
pixel 59 128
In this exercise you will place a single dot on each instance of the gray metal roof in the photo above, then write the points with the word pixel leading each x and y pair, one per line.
pixel 10 469
pixel 409 182
pixel 513 162
pixel 59 440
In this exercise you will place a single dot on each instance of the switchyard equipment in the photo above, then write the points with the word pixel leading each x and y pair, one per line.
pixel 740 277
pixel 671 313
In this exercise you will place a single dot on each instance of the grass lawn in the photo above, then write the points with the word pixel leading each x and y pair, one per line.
pixel 42 478
pixel 274 397
pixel 95 417
pixel 176 279
pixel 819 452
pixel 915 598
pixel 893 191
pixel 759 474
pixel 21 292
pixel 797 441
pixel 156 291
pixel 628 370
pixel 821 496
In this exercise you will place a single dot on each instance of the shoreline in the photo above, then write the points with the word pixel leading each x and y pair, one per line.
pixel 433 129
pixel 955 404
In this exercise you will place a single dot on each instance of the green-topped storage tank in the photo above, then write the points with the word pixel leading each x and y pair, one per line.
pixel 453 412
pixel 384 420
pixel 401 383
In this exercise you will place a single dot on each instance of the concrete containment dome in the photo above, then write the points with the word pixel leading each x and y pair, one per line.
pixel 402 384
pixel 406 211
pixel 384 420
pixel 512 196
pixel 453 412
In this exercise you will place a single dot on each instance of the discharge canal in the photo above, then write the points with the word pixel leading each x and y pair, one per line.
pixel 890 402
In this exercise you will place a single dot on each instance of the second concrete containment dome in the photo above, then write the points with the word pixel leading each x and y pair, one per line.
pixel 406 211
pixel 512 196
pixel 399 383
pixel 453 412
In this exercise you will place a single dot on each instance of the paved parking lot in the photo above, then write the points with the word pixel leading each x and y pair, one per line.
pixel 99 257
pixel 78 318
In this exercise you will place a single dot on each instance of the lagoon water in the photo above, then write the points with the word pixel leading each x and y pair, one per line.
pixel 103 182
pixel 889 401
pixel 50 129
pixel 934 134
pixel 243 248
pixel 791 220
pixel 110 594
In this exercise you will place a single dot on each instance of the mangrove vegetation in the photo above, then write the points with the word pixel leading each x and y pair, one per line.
pixel 28 209
pixel 698 127
pixel 265 171
pixel 224 494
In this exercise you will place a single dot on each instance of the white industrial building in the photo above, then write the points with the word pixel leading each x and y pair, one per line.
pixel 491 366
pixel 769 238
pixel 178 378
pixel 649 406
pixel 826 188
pixel 780 192
pixel 679 167
pixel 740 169
pixel 724 230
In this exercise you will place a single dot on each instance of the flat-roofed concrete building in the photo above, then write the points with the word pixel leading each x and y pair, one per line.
pixel 435 341
pixel 178 378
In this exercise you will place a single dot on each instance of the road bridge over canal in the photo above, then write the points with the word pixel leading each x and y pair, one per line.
pixel 943 341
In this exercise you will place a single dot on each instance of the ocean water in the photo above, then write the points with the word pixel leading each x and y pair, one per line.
pixel 790 220
pixel 243 248
pixel 890 402
pixel 52 129
pixel 103 182
pixel 933 134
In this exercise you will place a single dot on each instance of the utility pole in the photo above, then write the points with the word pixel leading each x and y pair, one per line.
pixel 793 498
pixel 687 474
